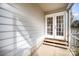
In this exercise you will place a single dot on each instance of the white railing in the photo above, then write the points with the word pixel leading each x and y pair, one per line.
pixel 74 42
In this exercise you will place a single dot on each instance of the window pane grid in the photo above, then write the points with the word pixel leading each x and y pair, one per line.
pixel 50 25
pixel 59 25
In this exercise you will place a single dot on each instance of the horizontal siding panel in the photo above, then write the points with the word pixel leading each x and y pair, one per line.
pixel 21 44
pixel 24 32
pixel 4 52
pixel 6 13
pixel 24 46
pixel 19 52
pixel 20 39
pixel 10 53
pixel 9 8
pixel 23 52
pixel 20 28
pixel 6 20
pixel 6 42
pixel 6 35
pixel 26 37
pixel 9 47
pixel 19 22
pixel 6 28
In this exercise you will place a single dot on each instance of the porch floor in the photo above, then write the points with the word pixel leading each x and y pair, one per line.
pixel 45 50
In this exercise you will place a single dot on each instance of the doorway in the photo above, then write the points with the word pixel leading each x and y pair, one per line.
pixel 55 25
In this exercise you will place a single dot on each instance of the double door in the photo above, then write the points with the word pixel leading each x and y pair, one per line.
pixel 55 25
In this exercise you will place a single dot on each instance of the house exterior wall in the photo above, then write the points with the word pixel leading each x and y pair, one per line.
pixel 35 16
pixel 21 28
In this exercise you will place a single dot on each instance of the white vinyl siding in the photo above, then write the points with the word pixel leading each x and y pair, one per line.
pixel 19 31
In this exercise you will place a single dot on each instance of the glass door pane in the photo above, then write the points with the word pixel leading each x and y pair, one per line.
pixel 50 25
pixel 59 25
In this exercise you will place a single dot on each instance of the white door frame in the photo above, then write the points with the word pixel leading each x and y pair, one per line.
pixel 54 24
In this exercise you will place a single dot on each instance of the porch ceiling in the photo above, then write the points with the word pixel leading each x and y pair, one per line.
pixel 52 6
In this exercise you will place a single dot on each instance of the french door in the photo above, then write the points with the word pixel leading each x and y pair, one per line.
pixel 50 26
pixel 55 25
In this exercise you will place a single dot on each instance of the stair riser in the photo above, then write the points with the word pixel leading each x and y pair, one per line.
pixel 56 39
pixel 55 46
pixel 56 43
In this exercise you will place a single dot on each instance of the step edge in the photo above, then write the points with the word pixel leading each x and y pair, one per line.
pixel 56 43
pixel 56 39
pixel 55 46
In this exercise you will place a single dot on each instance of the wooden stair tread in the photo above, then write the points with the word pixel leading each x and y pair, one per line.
pixel 55 39
pixel 55 45
pixel 55 42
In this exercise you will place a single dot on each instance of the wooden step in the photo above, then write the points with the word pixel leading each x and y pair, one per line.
pixel 55 45
pixel 56 42
pixel 56 39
